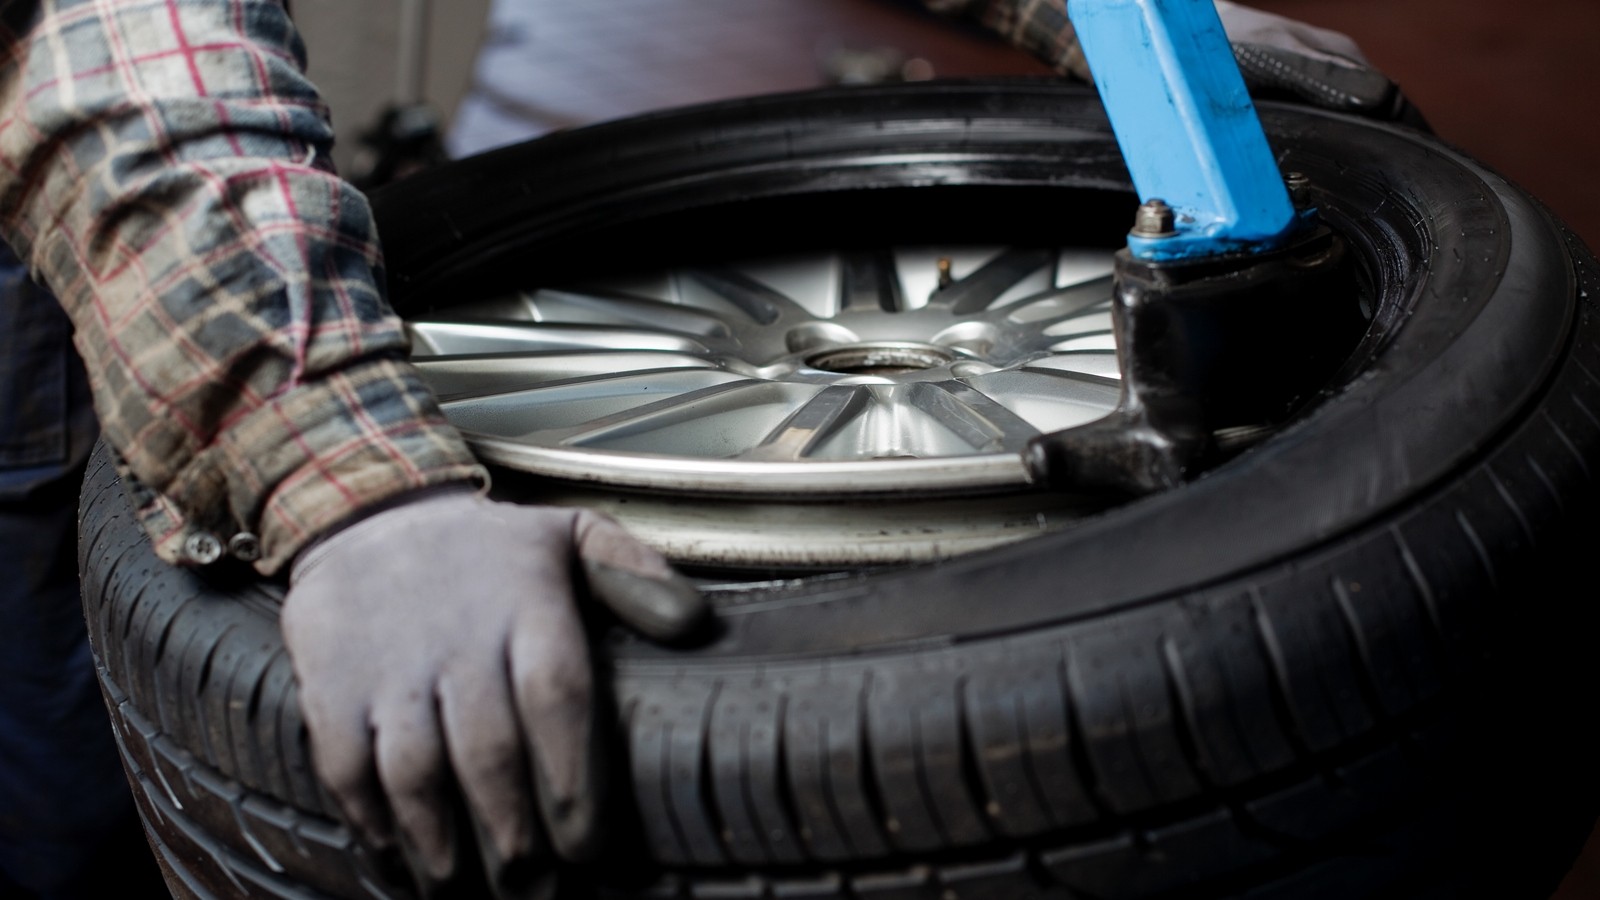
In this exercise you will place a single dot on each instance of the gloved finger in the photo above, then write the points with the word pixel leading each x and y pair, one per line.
pixel 411 766
pixel 634 581
pixel 342 756
pixel 491 765
pixel 531 876
pixel 551 679
pixel 1252 26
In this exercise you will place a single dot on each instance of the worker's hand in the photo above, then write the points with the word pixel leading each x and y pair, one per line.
pixel 1288 60
pixel 1282 58
pixel 439 649
pixel 1252 26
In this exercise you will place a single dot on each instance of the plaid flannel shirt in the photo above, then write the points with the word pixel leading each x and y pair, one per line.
pixel 1038 26
pixel 164 169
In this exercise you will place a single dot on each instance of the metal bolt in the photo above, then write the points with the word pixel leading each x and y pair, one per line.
pixel 1299 189
pixel 946 276
pixel 1155 219
pixel 202 548
pixel 245 546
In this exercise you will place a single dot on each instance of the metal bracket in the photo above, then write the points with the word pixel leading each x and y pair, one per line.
pixel 1214 355
pixel 1187 128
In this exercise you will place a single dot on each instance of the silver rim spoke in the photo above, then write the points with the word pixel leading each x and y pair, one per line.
pixel 1094 388
pixel 979 290
pixel 1101 340
pixel 1061 304
pixel 831 375
pixel 692 406
pixel 761 303
pixel 464 337
pixel 541 414
pixel 467 377
pixel 602 308
pixel 814 422
pixel 870 284
pixel 976 418
pixel 1051 399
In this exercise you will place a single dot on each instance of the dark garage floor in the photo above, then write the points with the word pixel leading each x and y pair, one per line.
pixel 1512 84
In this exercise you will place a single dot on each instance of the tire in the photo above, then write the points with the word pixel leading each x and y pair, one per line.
pixel 1348 662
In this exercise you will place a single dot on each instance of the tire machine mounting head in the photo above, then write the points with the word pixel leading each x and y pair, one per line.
pixel 1231 298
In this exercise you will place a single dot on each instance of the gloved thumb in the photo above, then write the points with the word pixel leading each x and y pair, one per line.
pixel 636 582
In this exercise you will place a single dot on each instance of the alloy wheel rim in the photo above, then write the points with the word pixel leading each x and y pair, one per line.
pixel 818 376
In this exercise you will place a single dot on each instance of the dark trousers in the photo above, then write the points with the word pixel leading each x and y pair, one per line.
pixel 67 820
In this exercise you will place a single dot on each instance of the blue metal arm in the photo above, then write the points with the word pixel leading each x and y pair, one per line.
pixel 1186 126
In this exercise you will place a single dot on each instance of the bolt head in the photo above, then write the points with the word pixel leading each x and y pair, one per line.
pixel 1299 187
pixel 1155 219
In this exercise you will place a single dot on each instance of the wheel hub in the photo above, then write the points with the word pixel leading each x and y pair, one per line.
pixel 883 360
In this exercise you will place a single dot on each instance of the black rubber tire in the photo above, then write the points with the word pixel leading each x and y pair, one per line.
pixel 1350 662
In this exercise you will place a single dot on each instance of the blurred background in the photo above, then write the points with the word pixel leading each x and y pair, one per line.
pixel 1513 85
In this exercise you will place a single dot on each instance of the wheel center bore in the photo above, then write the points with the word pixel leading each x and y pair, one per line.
pixel 881 359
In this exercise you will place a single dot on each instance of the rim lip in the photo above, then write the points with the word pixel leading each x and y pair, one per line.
pixel 978 473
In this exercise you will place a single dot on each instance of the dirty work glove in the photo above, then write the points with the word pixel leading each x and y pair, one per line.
pixel 1252 26
pixel 438 648
pixel 1280 58
pixel 1285 59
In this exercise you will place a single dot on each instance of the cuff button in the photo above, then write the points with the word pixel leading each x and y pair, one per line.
pixel 202 548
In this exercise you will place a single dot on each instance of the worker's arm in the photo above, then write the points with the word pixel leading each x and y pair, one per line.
pixel 164 168
pixel 1038 26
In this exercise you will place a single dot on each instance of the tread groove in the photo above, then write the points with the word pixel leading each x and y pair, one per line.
pixel 1504 491
pixel 1184 725
pixel 1544 479
pixel 919 765
pixel 747 796
pixel 1030 769
pixel 1587 412
pixel 705 804
pixel 1365 678
pixel 203 679
pixel 668 806
pixel 783 783
pixel 970 763
pixel 1578 363
pixel 825 776
pixel 1485 558
pixel 1566 441
pixel 1413 567
pixel 1278 678
pixel 1077 746
pixel 871 791
pixel 1136 742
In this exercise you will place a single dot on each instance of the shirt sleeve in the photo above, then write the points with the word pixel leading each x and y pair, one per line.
pixel 164 168
pixel 1040 27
